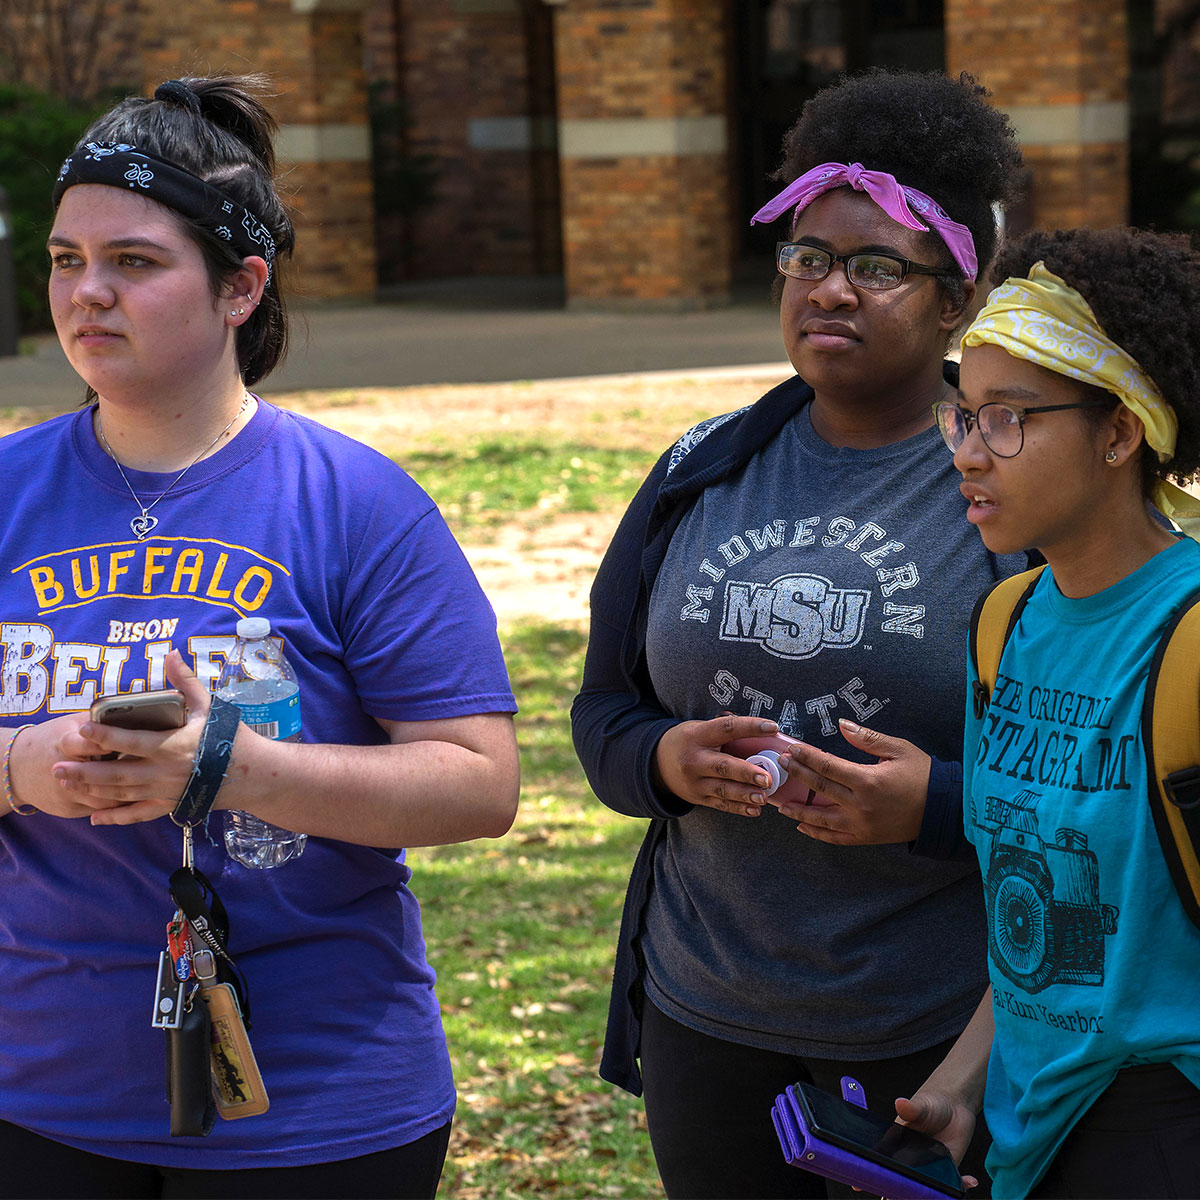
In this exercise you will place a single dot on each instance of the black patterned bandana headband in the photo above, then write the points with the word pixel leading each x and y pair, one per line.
pixel 117 164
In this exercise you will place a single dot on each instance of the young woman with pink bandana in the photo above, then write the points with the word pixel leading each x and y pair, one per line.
pixel 802 566
pixel 1078 403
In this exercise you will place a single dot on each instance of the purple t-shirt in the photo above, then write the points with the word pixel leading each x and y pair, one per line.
pixel 381 616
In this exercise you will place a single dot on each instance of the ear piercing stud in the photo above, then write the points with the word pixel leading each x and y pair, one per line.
pixel 1111 457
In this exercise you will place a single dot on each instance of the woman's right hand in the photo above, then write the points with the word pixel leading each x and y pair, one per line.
pixel 942 1116
pixel 688 762
pixel 30 764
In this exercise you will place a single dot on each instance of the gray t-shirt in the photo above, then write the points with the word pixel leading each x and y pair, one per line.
pixel 818 583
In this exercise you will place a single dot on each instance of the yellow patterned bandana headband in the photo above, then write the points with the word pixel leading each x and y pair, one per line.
pixel 1046 321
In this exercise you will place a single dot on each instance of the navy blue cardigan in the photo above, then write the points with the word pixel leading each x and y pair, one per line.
pixel 617 720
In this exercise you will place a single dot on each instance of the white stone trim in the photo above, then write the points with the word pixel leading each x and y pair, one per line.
pixel 1059 124
pixel 308 7
pixel 323 143
pixel 510 133
pixel 642 137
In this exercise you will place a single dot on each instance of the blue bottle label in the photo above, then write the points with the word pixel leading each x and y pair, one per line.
pixel 277 720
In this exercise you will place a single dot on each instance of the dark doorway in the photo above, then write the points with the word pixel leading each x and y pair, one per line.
pixel 1164 114
pixel 783 51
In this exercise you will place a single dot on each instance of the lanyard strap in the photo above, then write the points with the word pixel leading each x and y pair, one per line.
pixel 212 761
pixel 197 899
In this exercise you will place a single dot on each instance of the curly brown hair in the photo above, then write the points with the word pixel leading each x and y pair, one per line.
pixel 933 133
pixel 1144 288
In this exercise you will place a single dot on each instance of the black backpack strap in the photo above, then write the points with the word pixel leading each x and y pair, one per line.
pixel 1171 737
pixel 995 617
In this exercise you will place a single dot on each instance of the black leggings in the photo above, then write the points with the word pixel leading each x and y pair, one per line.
pixel 1140 1139
pixel 708 1108
pixel 34 1166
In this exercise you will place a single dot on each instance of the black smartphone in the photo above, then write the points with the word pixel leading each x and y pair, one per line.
pixel 908 1152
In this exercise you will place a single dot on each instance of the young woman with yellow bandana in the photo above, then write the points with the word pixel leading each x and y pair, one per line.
pixel 1078 398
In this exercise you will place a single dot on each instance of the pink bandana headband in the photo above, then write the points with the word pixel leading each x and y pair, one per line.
pixel 898 202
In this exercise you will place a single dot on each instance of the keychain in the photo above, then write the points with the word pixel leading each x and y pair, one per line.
pixel 179 1011
pixel 237 1082
pixel 211 1067
pixel 175 962
pixel 197 940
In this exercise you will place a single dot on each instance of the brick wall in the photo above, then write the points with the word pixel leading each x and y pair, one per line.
pixel 476 81
pixel 643 152
pixel 647 232
pixel 313 54
pixel 314 60
pixel 590 136
pixel 1060 68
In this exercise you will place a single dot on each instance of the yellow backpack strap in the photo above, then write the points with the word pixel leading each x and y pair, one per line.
pixel 994 618
pixel 1171 736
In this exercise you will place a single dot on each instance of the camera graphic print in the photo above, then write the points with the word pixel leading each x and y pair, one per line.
pixel 1046 923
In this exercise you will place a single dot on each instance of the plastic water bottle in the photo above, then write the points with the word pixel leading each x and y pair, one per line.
pixel 258 678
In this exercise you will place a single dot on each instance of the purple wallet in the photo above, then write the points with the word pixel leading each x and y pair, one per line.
pixel 840 1139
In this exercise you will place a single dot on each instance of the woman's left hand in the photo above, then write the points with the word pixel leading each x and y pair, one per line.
pixel 942 1117
pixel 147 783
pixel 860 804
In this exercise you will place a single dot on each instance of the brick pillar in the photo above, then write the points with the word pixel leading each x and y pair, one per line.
pixel 643 153
pixel 312 51
pixel 475 82
pixel 1060 69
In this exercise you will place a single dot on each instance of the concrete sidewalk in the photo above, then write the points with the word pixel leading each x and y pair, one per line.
pixel 457 331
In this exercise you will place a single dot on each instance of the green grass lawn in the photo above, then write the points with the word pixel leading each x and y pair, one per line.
pixel 481 483
pixel 521 930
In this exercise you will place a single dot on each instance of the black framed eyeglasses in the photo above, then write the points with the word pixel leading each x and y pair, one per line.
pixel 1002 426
pixel 868 270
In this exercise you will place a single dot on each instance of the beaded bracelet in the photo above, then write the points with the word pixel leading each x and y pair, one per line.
pixel 29 809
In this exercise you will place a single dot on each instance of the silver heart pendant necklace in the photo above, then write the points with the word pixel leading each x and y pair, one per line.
pixel 143 524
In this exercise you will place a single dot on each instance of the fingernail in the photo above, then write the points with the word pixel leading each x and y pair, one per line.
pixel 762 781
pixel 848 725
pixel 60 773
pixel 767 726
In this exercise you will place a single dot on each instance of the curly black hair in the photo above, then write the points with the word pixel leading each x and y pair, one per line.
pixel 1144 288
pixel 933 133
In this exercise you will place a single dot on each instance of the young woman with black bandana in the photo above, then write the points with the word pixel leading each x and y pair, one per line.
pixel 136 533
pixel 800 565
